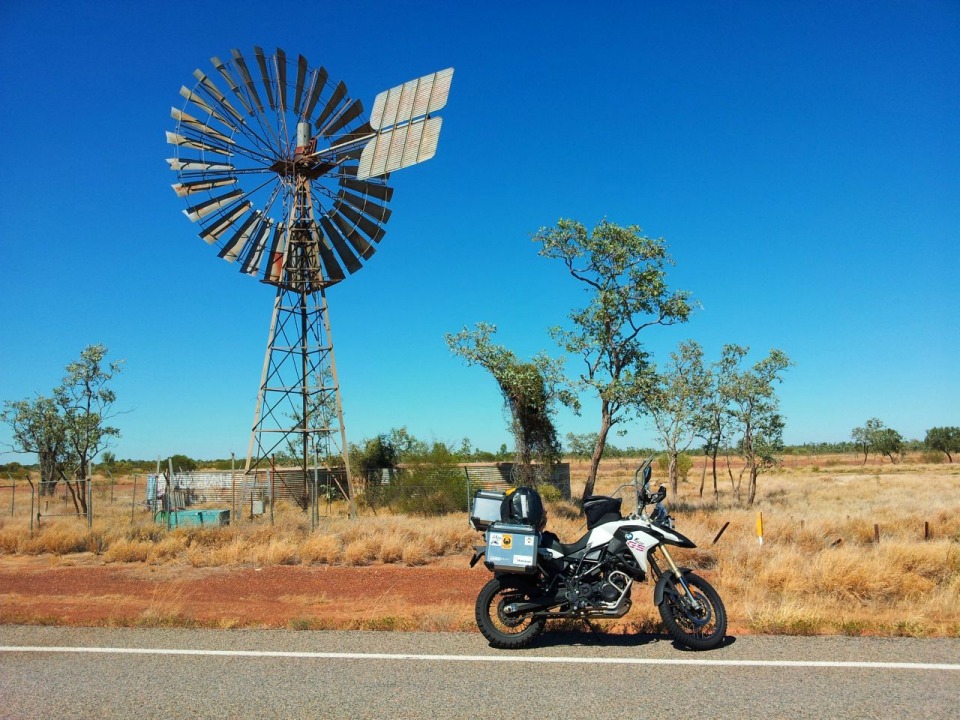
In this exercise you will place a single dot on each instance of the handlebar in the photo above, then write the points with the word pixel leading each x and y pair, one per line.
pixel 641 491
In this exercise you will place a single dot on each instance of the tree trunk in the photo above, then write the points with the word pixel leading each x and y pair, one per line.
pixel 605 425
pixel 752 490
pixel 716 486
pixel 672 472
pixel 73 494
pixel 703 475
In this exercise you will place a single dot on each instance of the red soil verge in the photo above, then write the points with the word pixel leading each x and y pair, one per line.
pixel 441 597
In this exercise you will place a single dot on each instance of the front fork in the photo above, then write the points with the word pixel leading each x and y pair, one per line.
pixel 678 574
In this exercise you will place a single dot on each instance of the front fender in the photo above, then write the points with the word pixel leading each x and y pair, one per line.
pixel 662 583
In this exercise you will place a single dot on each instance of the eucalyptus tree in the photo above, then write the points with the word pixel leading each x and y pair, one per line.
pixel 530 391
pixel 755 410
pixel 38 428
pixel 86 400
pixel 676 402
pixel 865 437
pixel 889 442
pixel 715 422
pixel 624 275
pixel 944 439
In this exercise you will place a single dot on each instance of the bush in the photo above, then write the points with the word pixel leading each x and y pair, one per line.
pixel 684 463
pixel 433 484
pixel 934 457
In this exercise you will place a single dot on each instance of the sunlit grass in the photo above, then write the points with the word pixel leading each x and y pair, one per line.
pixel 819 569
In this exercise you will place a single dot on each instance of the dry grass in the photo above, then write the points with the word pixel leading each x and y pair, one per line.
pixel 819 569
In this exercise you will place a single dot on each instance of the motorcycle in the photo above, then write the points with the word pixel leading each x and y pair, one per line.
pixel 537 577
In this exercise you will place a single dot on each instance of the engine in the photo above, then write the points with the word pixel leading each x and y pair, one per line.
pixel 610 595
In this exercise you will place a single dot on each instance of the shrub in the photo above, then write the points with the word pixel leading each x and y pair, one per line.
pixel 934 457
pixel 432 485
pixel 684 463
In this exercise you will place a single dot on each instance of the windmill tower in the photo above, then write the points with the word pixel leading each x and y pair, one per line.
pixel 283 174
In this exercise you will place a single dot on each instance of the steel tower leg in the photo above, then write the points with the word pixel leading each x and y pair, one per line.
pixel 299 413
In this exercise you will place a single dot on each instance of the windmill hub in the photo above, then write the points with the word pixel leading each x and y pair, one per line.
pixel 303 219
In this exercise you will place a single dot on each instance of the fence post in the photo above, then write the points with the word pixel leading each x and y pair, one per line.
pixel 876 533
pixel 90 497
pixel 133 500
pixel 760 527
pixel 272 473
pixel 233 487
pixel 168 491
pixel 13 494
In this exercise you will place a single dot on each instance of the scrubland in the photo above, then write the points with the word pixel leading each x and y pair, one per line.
pixel 847 549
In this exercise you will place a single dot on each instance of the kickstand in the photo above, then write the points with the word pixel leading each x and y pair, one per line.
pixel 598 636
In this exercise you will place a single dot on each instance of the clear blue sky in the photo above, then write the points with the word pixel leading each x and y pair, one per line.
pixel 801 160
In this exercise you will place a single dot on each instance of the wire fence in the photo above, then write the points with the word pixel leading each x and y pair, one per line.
pixel 165 497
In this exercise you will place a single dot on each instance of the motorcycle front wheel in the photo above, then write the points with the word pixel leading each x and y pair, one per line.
pixel 507 632
pixel 697 620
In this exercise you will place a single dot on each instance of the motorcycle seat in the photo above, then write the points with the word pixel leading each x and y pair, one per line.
pixel 552 542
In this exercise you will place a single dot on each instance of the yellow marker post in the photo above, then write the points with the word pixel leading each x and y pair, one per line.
pixel 760 527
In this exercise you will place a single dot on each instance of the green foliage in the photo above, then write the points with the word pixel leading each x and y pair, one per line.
pixel 68 430
pixel 431 484
pixel 875 436
pixel 676 403
pixel 889 442
pixel 683 464
pixel 406 445
pixel 943 439
pixel 85 401
pixel 581 446
pixel 530 391
pixel 754 409
pixel 183 463
pixel 38 427
pixel 624 273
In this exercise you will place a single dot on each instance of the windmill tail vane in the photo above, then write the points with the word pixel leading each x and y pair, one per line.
pixel 283 173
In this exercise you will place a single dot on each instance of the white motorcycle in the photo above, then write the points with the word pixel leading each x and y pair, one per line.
pixel 537 577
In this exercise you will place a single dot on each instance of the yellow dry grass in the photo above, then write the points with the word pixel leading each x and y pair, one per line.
pixel 819 569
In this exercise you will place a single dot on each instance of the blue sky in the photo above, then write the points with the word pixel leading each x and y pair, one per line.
pixel 802 161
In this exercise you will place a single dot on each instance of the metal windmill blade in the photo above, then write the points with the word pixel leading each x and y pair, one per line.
pixel 281 170
pixel 260 140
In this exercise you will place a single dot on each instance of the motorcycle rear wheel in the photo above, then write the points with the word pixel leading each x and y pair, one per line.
pixel 506 632
pixel 699 627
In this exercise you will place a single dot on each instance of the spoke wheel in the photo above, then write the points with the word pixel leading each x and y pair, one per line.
pixel 504 630
pixel 697 620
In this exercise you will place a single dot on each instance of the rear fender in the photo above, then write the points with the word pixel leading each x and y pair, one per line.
pixel 478 552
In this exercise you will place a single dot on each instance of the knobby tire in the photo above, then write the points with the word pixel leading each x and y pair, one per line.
pixel 503 631
pixel 697 630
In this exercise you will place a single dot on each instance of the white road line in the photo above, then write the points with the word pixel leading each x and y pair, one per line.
pixel 954 667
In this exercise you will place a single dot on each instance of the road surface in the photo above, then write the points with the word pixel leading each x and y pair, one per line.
pixel 52 672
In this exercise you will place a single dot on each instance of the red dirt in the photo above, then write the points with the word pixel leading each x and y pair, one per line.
pixel 38 590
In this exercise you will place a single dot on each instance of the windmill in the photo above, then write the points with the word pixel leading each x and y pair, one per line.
pixel 282 172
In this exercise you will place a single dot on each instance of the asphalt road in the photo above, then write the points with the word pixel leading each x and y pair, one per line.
pixel 50 672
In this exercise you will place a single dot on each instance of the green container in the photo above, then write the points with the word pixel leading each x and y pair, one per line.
pixel 184 518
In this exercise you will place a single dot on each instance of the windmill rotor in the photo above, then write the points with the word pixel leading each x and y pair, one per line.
pixel 253 139
pixel 281 171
